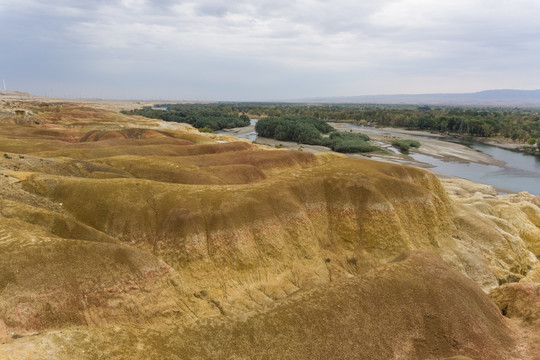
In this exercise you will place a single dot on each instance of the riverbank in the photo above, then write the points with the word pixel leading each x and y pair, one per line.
pixel 431 145
pixel 501 142
pixel 507 171
pixel 509 145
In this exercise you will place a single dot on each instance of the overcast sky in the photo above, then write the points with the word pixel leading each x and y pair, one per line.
pixel 267 49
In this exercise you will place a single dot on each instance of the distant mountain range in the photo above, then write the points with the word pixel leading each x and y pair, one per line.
pixel 503 98
pixel 522 98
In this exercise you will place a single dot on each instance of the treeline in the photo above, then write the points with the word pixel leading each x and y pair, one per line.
pixel 309 130
pixel 516 124
pixel 513 123
pixel 201 117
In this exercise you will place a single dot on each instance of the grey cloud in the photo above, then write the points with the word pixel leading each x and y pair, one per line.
pixel 218 9
pixel 346 44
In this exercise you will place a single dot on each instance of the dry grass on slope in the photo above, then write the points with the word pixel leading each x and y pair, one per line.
pixel 132 133
pixel 65 114
pixel 414 308
pixel 159 227
pixel 88 151
pixel 243 166
pixel 49 282
pixel 65 126
pixel 293 230
pixel 54 221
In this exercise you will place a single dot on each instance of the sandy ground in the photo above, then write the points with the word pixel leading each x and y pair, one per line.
pixel 242 130
pixel 502 143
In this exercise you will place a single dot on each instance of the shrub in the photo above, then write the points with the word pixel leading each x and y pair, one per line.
pixel 341 135
pixel 353 146
pixel 300 129
pixel 348 142
pixel 405 145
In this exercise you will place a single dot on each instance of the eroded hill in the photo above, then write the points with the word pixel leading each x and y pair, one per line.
pixel 186 245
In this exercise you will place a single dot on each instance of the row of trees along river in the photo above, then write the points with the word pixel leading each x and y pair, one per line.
pixel 512 123
pixel 203 117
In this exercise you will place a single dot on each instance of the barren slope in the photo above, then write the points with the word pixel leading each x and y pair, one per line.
pixel 109 220
pixel 413 308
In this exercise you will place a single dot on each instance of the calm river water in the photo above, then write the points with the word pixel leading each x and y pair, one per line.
pixel 521 172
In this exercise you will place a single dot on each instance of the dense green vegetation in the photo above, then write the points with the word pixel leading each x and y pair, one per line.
pixel 309 130
pixel 344 142
pixel 201 117
pixel 405 145
pixel 512 123
pixel 517 124
pixel 300 129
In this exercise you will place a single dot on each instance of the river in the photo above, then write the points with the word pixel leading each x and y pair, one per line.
pixel 520 172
